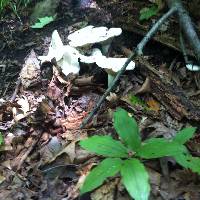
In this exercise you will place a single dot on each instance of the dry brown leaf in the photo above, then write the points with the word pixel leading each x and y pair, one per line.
pixel 105 192
pixel 30 73
pixel 153 105
pixel 146 87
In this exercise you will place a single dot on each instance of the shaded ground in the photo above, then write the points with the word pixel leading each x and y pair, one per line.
pixel 42 158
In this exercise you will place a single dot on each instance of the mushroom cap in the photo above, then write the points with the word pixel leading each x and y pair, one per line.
pixel 67 56
pixel 92 58
pixel 90 35
pixel 113 64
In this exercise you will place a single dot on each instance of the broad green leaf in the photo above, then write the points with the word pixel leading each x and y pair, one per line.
pixel 184 135
pixel 105 146
pixel 146 13
pixel 107 168
pixel 188 162
pixel 160 147
pixel 43 22
pixel 127 129
pixel 1 139
pixel 136 179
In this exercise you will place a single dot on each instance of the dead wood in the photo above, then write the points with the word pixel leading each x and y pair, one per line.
pixel 169 94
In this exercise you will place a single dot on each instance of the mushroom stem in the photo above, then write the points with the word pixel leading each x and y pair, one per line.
pixel 110 79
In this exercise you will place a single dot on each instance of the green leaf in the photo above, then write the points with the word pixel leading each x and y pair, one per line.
pixel 43 22
pixel 127 129
pixel 146 13
pixel 136 179
pixel 1 139
pixel 107 168
pixel 188 162
pixel 184 135
pixel 105 146
pixel 136 101
pixel 160 147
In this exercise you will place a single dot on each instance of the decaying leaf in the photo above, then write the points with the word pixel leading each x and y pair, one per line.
pixel 30 73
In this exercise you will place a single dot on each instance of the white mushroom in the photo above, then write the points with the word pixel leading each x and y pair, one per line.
pixel 65 55
pixel 96 53
pixel 55 49
pixel 194 68
pixel 90 35
pixel 113 65
pixel 69 62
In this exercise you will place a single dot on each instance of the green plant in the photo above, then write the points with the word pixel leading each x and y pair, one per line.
pixel 126 157
pixel 1 139
pixel 3 4
pixel 13 5
pixel 147 13
pixel 43 22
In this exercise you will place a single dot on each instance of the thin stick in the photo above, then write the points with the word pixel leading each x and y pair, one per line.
pixel 30 149
pixel 154 29
pixel 103 97
pixel 16 90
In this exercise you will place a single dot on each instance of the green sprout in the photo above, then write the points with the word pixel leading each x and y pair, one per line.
pixel 126 156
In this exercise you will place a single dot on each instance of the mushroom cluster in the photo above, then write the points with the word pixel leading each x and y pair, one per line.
pixel 69 56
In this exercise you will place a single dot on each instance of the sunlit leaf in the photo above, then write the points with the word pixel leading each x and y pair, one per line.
pixel 188 162
pixel 43 22
pixel 136 179
pixel 160 147
pixel 184 135
pixel 127 129
pixel 105 146
pixel 107 168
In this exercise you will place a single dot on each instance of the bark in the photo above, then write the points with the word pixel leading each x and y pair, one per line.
pixel 169 94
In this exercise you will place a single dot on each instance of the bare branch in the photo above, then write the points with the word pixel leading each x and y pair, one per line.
pixel 187 26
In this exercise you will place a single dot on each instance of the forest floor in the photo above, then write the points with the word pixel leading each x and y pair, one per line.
pixel 40 119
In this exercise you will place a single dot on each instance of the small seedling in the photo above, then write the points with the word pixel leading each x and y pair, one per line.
pixel 126 156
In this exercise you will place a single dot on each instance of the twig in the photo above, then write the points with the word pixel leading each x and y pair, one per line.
pixel 189 64
pixel 24 157
pixel 4 93
pixel 154 29
pixel 16 90
pixel 183 49
pixel 137 51
pixel 187 26
pixel 103 97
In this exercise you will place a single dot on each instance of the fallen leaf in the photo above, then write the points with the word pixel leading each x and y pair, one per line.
pixel 153 105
